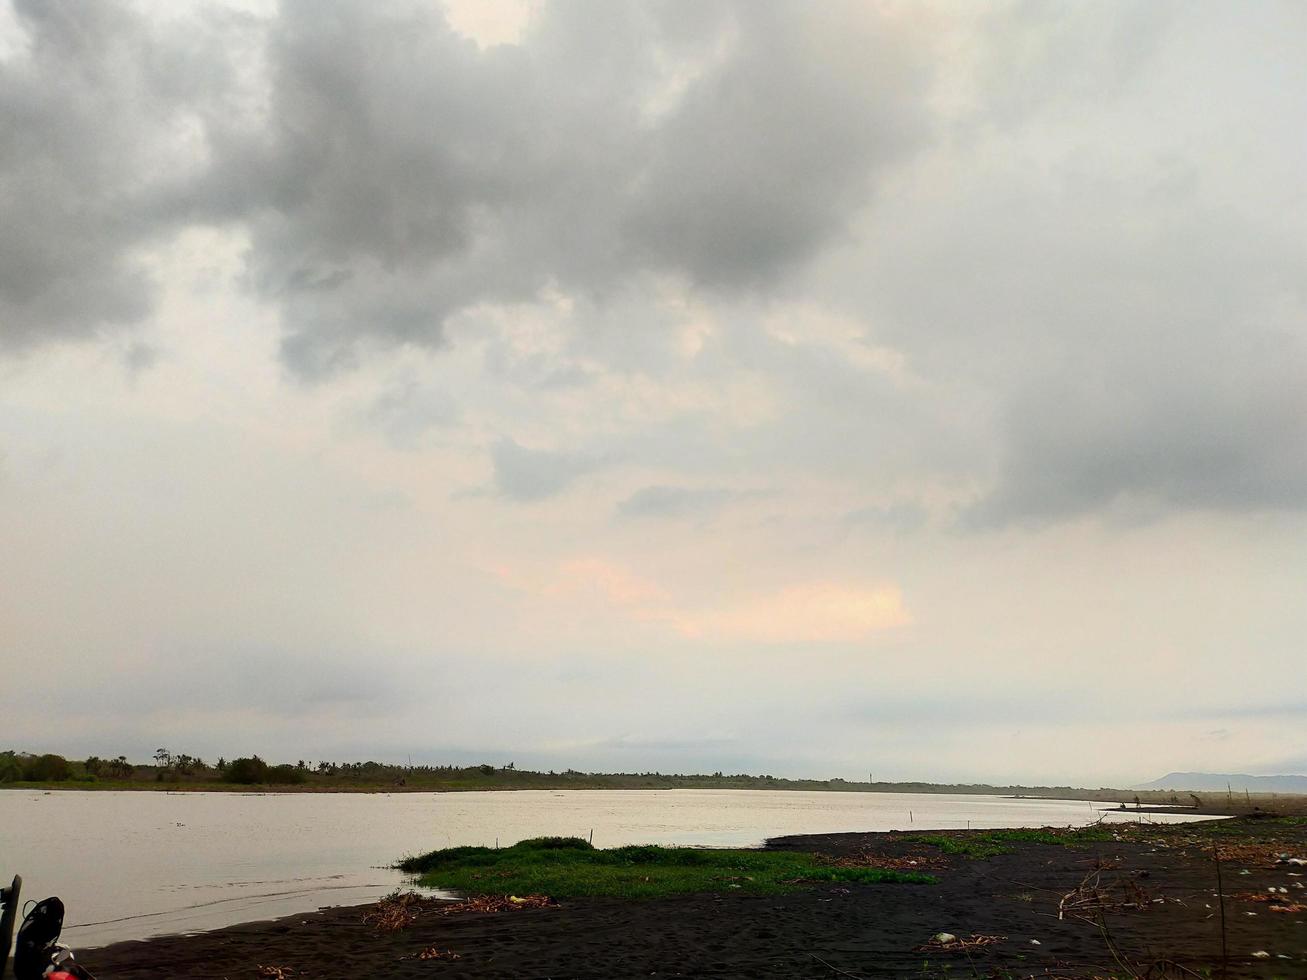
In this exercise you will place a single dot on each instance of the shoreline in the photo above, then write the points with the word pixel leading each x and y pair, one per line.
pixel 1115 801
pixel 824 931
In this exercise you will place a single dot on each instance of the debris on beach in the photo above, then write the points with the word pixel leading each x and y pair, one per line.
pixel 495 903
pixel 946 942
pixel 1274 901
pixel 401 910
pixel 433 953
pixel 868 858
pixel 394 912
pixel 1251 855
pixel 1243 854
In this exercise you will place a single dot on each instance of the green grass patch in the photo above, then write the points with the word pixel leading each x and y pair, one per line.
pixel 566 867
pixel 986 844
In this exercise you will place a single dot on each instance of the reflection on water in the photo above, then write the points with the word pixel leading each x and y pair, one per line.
pixel 134 864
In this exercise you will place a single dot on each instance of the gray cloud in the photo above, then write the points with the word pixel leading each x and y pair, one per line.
pixel 767 155
pixel 700 503
pixel 902 516
pixel 1174 382
pixel 109 123
pixel 409 409
pixel 1121 302
pixel 529 475
pixel 1039 59
pixel 410 186
pixel 139 357
pixel 279 682
pixel 1227 435
pixel 94 113
pixel 1273 709
pixel 1118 304
pixel 962 709
pixel 391 173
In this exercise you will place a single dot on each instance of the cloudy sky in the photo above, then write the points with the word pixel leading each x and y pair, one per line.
pixel 916 389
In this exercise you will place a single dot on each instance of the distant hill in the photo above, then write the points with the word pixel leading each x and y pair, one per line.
pixel 1216 782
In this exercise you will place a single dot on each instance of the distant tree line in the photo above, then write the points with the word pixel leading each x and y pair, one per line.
pixel 170 767
pixel 182 770
pixel 48 768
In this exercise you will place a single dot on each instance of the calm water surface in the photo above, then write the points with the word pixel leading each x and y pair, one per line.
pixel 134 864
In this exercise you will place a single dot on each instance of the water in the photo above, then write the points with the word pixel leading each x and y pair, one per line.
pixel 130 865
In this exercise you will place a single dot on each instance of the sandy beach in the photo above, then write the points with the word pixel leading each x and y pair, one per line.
pixel 1157 910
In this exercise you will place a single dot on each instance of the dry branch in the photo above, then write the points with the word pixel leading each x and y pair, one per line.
pixel 1097 895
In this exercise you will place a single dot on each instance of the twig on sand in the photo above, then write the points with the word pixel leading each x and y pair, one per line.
pixel 835 969
pixel 1030 887
pixel 1111 948
pixel 1180 967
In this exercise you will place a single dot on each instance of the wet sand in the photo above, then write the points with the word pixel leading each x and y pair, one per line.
pixel 1167 873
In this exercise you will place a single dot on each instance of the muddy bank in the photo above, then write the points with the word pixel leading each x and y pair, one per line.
pixel 1148 901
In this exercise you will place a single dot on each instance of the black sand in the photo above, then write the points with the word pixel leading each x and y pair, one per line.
pixel 869 931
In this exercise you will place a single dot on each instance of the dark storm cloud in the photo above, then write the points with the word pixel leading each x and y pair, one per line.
pixel 1104 307
pixel 390 172
pixel 408 174
pixel 96 109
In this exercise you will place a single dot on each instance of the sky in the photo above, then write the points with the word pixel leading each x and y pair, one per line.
pixel 915 390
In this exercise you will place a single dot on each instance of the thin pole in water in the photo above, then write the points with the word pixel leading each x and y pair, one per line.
pixel 909 816
pixel 592 836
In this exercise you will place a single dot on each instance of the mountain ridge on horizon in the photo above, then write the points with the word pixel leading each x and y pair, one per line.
pixel 1220 782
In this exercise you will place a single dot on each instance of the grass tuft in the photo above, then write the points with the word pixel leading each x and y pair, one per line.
pixel 570 867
